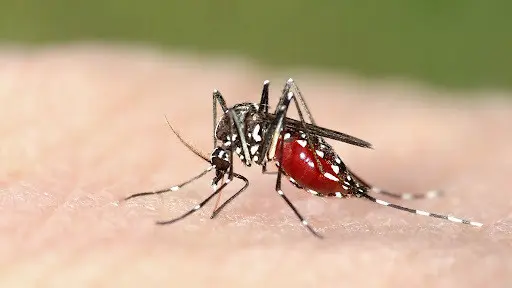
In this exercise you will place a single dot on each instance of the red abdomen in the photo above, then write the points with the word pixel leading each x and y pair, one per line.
pixel 298 163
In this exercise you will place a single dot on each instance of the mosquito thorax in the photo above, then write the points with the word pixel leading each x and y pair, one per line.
pixel 223 129
pixel 253 128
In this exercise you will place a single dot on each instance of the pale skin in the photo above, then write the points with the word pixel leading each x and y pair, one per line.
pixel 84 127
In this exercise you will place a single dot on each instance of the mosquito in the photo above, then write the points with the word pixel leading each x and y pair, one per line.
pixel 298 149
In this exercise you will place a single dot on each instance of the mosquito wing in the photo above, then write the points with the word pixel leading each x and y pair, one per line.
pixel 324 132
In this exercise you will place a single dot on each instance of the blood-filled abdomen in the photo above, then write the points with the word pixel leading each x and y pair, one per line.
pixel 298 163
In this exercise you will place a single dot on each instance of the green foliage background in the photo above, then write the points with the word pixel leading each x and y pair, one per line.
pixel 458 43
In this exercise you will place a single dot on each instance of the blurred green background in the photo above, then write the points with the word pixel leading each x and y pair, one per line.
pixel 456 44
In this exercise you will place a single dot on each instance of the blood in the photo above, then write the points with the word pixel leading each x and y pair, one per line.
pixel 298 162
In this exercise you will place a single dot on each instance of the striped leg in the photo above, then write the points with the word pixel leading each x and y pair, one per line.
pixel 281 193
pixel 198 206
pixel 405 196
pixel 302 220
pixel 173 188
pixel 177 187
pixel 265 171
pixel 408 196
pixel 217 210
pixel 420 212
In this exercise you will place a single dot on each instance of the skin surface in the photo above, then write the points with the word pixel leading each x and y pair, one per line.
pixel 83 126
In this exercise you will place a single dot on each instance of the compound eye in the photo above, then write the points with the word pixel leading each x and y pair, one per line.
pixel 220 164
pixel 220 158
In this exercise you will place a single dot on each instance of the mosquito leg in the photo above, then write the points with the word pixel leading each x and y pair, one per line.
pixel 313 128
pixel 270 143
pixel 291 84
pixel 302 100
pixel 217 210
pixel 218 196
pixel 304 124
pixel 409 196
pixel 264 169
pixel 302 220
pixel 263 107
pixel 217 97
pixel 405 196
pixel 279 122
pixel 420 212
pixel 230 168
pixel 245 147
pixel 238 125
pixel 197 207
pixel 233 119
pixel 272 129
pixel 281 193
pixel 277 125
pixel 173 188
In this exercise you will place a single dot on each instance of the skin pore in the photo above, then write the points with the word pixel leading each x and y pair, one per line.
pixel 83 127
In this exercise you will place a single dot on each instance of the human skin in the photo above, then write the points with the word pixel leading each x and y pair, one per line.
pixel 83 127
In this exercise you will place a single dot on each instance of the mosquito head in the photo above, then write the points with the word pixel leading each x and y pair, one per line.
pixel 220 158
